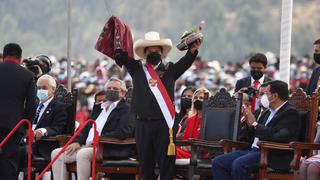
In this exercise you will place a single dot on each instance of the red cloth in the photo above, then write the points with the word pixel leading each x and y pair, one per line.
pixel 192 131
pixel 115 29
pixel 256 84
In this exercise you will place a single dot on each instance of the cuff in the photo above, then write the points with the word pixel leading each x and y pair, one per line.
pixel 43 131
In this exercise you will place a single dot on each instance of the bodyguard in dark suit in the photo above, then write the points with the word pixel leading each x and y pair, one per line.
pixel 280 123
pixel 113 120
pixel 152 131
pixel 314 80
pixel 258 65
pixel 17 101
pixel 51 117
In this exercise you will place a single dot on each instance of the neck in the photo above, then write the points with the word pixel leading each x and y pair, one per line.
pixel 276 104
pixel 11 59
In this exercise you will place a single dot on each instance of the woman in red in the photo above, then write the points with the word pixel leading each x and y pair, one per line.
pixel 193 122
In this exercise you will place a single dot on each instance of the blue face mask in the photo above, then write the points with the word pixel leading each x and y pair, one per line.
pixel 42 95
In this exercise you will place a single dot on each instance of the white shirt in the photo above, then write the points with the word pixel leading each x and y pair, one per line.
pixel 45 105
pixel 102 119
pixel 272 113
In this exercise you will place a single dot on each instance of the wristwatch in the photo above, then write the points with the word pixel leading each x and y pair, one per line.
pixel 254 124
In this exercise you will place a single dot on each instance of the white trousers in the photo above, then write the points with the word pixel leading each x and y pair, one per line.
pixel 83 159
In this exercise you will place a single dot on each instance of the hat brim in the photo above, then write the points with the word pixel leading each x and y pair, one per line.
pixel 140 45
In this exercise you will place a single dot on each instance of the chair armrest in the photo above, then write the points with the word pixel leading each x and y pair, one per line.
pixel 229 144
pixel 182 143
pixel 63 139
pixel 264 148
pixel 298 147
pixel 105 140
pixel 49 139
pixel 204 143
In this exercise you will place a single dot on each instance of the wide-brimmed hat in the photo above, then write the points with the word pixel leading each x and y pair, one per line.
pixel 152 39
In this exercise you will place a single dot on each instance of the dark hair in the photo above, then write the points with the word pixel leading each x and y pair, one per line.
pixel 188 88
pixel 316 42
pixel 281 88
pixel 259 58
pixel 12 49
pixel 264 84
pixel 100 93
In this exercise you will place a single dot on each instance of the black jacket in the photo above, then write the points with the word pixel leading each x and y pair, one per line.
pixel 143 102
pixel 120 125
pixel 313 83
pixel 54 120
pixel 246 82
pixel 283 128
pixel 17 95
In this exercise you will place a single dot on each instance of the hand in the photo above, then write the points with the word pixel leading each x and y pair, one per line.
pixel 249 117
pixel 72 148
pixel 195 46
pixel 119 56
pixel 37 135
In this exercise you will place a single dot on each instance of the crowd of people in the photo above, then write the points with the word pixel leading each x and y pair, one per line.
pixel 153 101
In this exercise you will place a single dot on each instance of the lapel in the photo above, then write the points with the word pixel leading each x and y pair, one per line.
pixel 277 115
pixel 113 114
pixel 47 112
pixel 264 116
pixel 248 81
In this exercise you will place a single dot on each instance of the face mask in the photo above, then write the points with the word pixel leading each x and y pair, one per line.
pixel 153 58
pixel 264 101
pixel 185 103
pixel 42 95
pixel 316 57
pixel 256 75
pixel 198 104
pixel 112 95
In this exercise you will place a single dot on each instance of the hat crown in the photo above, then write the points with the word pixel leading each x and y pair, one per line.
pixel 152 36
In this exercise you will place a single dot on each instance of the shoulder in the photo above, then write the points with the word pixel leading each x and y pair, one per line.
pixel 123 105
pixel 289 109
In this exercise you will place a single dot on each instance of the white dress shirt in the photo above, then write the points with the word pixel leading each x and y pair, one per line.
pixel 102 119
pixel 272 113
pixel 45 105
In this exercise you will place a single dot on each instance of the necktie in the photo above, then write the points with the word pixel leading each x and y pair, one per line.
pixel 35 121
pixel 256 84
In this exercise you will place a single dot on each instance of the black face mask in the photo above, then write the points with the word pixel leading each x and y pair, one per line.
pixel 198 104
pixel 316 57
pixel 112 95
pixel 256 75
pixel 185 103
pixel 153 58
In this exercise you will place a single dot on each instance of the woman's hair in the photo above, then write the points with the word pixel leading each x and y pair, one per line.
pixel 194 111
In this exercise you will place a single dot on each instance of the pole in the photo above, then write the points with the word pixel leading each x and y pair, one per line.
pixel 285 42
pixel 69 45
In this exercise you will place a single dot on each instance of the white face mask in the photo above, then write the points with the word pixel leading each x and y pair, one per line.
pixel 42 95
pixel 264 101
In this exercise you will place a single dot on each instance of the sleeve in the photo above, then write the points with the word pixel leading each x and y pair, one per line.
pixel 30 103
pixel 184 64
pixel 126 125
pixel 283 131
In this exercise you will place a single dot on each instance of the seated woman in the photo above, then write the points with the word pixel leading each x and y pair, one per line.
pixel 185 106
pixel 193 122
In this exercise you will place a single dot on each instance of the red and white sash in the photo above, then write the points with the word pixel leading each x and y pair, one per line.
pixel 160 93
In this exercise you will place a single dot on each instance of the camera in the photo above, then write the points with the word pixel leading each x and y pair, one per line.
pixel 250 91
pixel 39 65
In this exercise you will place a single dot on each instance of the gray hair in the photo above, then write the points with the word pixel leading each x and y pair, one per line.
pixel 122 84
pixel 52 82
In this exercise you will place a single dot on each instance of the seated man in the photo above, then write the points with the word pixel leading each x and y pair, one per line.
pixel 113 120
pixel 279 123
pixel 51 117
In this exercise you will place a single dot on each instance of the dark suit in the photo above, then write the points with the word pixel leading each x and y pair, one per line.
pixel 54 120
pixel 283 128
pixel 17 101
pixel 152 132
pixel 246 82
pixel 119 125
pixel 313 83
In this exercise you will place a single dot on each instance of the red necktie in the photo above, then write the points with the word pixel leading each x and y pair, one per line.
pixel 256 84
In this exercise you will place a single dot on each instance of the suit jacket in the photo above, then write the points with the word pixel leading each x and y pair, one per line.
pixel 246 82
pixel 17 95
pixel 313 83
pixel 120 125
pixel 283 128
pixel 168 74
pixel 54 120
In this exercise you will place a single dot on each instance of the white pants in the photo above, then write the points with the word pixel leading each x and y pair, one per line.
pixel 83 158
